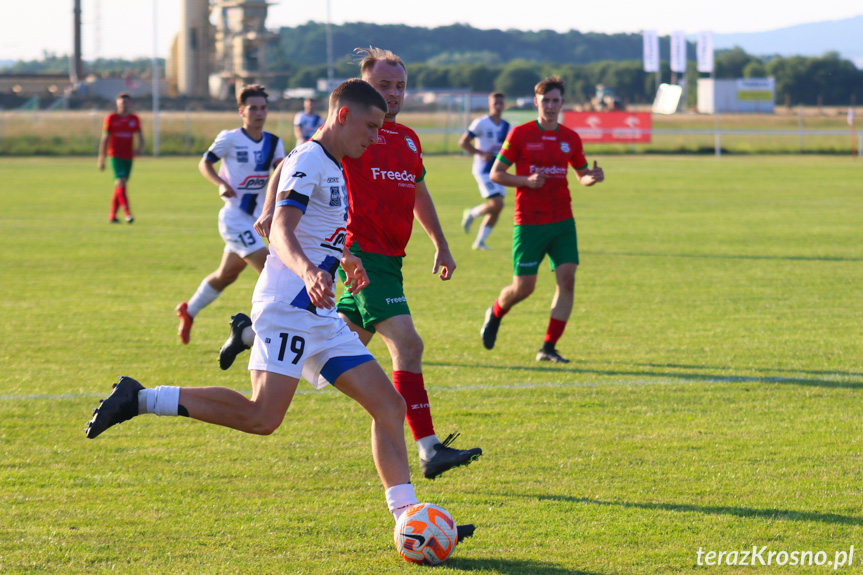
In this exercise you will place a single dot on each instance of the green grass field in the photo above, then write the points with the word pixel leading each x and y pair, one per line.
pixel 713 401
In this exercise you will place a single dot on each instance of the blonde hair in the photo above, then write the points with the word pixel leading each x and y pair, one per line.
pixel 371 56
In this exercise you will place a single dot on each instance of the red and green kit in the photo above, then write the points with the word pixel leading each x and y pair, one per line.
pixel 534 150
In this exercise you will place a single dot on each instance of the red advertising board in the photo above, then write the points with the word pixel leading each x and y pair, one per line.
pixel 622 127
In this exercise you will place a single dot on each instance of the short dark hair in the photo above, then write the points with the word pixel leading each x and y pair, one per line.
pixel 548 84
pixel 496 95
pixel 124 96
pixel 356 91
pixel 251 91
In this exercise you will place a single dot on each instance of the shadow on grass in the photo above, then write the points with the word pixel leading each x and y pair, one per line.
pixel 513 567
pixel 730 257
pixel 780 514
pixel 644 377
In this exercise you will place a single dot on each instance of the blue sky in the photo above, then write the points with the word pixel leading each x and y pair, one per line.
pixel 124 28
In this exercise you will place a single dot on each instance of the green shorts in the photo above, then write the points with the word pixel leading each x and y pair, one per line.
pixel 383 298
pixel 530 243
pixel 122 168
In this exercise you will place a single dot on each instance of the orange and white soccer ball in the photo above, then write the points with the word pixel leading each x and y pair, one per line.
pixel 425 534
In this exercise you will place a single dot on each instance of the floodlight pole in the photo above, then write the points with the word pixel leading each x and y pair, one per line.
pixel 155 85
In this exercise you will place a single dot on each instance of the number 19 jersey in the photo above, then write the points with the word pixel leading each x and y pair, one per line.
pixel 312 181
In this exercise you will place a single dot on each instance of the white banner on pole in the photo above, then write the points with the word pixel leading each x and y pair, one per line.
pixel 651 51
pixel 678 51
pixel 705 52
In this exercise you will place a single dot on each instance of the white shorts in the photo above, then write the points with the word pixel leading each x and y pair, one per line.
pixel 294 342
pixel 487 188
pixel 237 228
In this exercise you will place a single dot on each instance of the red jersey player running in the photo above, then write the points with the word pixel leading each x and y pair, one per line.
pixel 544 224
pixel 386 189
pixel 117 138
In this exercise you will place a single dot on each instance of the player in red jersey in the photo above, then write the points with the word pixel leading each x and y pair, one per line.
pixel 117 139
pixel 386 190
pixel 541 151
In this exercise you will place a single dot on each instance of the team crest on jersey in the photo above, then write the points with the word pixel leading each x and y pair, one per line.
pixel 335 196
pixel 242 156
pixel 259 156
pixel 564 147
pixel 411 144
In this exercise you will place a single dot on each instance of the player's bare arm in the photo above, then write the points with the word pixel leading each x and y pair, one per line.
pixel 209 171
pixel 103 150
pixel 355 274
pixel 425 213
pixel 265 220
pixel 499 175
pixel 588 177
pixel 466 144
pixel 319 283
pixel 141 142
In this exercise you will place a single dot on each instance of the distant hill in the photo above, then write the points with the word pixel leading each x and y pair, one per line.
pixel 843 36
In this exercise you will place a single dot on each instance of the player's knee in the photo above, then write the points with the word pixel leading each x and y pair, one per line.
pixel 411 345
pixel 265 426
pixel 221 279
pixel 393 407
pixel 259 422
pixel 523 291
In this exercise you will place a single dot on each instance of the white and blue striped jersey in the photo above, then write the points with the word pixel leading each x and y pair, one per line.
pixel 308 124
pixel 312 181
pixel 246 166
pixel 489 137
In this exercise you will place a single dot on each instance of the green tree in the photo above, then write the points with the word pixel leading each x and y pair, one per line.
pixel 517 80
pixel 755 69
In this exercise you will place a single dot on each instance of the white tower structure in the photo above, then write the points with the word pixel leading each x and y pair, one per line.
pixel 221 46
pixel 240 45
pixel 194 48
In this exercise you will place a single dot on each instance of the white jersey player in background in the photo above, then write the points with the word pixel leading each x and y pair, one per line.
pixel 299 332
pixel 307 122
pixel 483 140
pixel 247 154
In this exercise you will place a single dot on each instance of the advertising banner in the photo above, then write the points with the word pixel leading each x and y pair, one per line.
pixel 609 127
pixel 678 52
pixel 651 51
pixel 705 52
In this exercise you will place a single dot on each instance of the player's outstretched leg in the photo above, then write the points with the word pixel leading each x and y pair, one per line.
pixel 185 329
pixel 120 406
pixel 445 458
pixel 234 345
pixel 489 328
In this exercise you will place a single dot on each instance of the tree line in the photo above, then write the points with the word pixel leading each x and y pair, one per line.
pixel 512 61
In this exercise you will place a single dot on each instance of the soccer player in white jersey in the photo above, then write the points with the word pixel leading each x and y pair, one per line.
pixel 247 155
pixel 483 140
pixel 299 330
pixel 307 122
